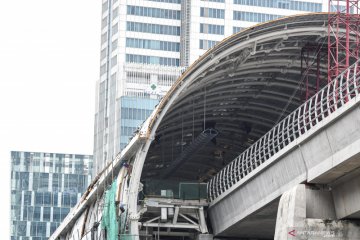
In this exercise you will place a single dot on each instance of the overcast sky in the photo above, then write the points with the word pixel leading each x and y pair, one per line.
pixel 49 63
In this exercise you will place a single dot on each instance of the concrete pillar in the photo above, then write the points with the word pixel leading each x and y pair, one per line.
pixel 308 212
pixel 291 212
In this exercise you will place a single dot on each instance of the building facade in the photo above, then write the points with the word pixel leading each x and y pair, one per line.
pixel 44 187
pixel 147 44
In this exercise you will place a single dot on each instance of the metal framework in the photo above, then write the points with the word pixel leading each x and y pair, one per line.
pixel 311 74
pixel 324 103
pixel 343 46
pixel 175 214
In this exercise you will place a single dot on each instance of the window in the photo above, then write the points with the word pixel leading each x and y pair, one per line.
pixel 114 45
pixel 39 198
pixel 220 1
pixel 47 199
pixel 105 6
pixel 103 38
pixel 46 214
pixel 65 199
pixel 53 227
pixel 283 4
pixel 152 60
pixel 206 44
pixel 153 28
pixel 56 182
pixel 211 29
pixel 103 22
pixel 237 29
pixel 115 29
pixel 153 44
pixel 133 114
pixel 166 1
pixel 20 227
pixel 36 214
pixel 115 13
pixel 103 69
pixel 38 229
pixel 44 182
pixel 113 61
pixel 64 213
pixel 153 12
pixel 254 17
pixel 56 214
pixel 212 13
pixel 27 198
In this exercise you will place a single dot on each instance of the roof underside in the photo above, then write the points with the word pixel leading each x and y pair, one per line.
pixel 242 88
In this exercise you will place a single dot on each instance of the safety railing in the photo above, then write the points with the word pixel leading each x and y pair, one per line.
pixel 325 102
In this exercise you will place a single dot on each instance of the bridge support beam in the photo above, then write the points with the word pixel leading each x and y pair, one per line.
pixel 308 212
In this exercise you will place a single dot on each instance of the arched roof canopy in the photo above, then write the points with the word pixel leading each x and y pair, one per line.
pixel 241 88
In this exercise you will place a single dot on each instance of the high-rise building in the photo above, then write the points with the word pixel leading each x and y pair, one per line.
pixel 147 44
pixel 44 186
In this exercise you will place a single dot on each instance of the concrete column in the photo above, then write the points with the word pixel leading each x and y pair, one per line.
pixel 308 212
pixel 291 212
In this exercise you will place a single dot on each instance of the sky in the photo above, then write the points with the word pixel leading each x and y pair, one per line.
pixel 49 63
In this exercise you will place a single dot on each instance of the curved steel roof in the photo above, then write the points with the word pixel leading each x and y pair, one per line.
pixel 241 87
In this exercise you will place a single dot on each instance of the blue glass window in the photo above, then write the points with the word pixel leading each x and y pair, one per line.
pixel 212 29
pixel 153 12
pixel 212 13
pixel 220 1
pixel 206 44
pixel 152 60
pixel 283 4
pixel 153 44
pixel 166 1
pixel 254 17
pixel 153 28
pixel 237 29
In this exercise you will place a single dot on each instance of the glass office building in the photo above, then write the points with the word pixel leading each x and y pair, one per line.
pixel 44 187
pixel 147 44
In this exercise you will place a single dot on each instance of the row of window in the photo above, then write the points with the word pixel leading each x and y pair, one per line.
pixel 254 17
pixel 206 44
pixel 133 58
pixel 31 213
pixel 220 1
pixel 283 4
pixel 153 44
pixel 153 28
pixel 127 131
pixel 153 12
pixel 68 198
pixel 16 157
pixel 41 181
pixel 212 13
pixel 166 1
pixel 36 228
pixel 211 29
pixel 134 114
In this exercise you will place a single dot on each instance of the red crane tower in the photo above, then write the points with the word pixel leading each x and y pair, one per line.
pixel 343 46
